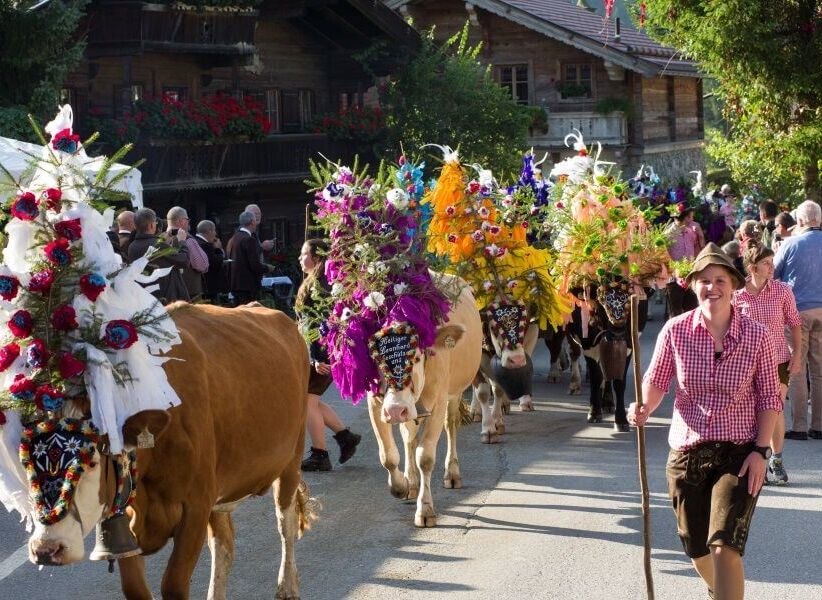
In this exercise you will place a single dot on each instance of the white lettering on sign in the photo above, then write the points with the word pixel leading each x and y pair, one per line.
pixel 507 319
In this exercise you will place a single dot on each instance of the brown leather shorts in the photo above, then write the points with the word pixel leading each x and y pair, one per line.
pixel 784 373
pixel 710 502
pixel 317 384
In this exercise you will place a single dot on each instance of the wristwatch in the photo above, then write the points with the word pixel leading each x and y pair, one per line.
pixel 765 451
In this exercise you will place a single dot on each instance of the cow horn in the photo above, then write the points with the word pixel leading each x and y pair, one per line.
pixel 114 540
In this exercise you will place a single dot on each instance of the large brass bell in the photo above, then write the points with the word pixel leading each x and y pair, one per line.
pixel 114 540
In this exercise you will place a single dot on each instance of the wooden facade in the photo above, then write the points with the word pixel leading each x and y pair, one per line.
pixel 296 57
pixel 627 92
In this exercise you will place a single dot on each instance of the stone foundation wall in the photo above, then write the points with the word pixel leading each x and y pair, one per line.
pixel 670 164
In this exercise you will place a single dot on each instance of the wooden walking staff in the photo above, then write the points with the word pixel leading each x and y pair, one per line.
pixel 640 436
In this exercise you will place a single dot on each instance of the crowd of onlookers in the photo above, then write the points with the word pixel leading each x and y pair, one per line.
pixel 201 269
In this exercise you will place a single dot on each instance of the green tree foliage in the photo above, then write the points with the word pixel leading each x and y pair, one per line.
pixel 765 58
pixel 38 50
pixel 444 95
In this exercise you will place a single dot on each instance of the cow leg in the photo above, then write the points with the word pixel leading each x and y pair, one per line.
pixel 620 418
pixel 607 398
pixel 426 457
pixel 189 537
pixel 502 405
pixel 288 522
pixel 412 474
pixel 452 477
pixel 575 385
pixel 482 395
pixel 595 406
pixel 476 408
pixel 221 545
pixel 133 578
pixel 554 343
pixel 389 454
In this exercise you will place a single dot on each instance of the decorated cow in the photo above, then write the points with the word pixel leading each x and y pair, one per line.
pixel 607 249
pixel 405 338
pixel 98 429
pixel 484 233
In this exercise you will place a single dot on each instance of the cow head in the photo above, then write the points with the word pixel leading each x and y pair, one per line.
pixel 395 350
pixel 72 481
pixel 513 339
pixel 615 298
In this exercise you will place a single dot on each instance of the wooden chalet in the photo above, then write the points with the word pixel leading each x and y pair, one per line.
pixel 603 77
pixel 296 57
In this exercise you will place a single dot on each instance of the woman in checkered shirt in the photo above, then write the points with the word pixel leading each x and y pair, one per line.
pixel 772 303
pixel 726 402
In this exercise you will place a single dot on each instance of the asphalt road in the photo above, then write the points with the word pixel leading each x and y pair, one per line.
pixel 553 512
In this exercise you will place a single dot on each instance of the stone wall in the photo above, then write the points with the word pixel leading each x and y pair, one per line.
pixel 669 163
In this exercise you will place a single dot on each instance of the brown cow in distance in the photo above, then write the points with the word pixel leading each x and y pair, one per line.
pixel 238 432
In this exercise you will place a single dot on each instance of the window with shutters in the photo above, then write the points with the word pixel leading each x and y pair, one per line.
pixel 297 110
pixel 269 99
pixel 576 81
pixel 515 79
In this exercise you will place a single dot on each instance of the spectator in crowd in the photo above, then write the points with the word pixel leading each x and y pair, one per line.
pixel 213 249
pixel 171 286
pixel 748 230
pixel 246 267
pixel 733 251
pixel 125 230
pixel 772 303
pixel 767 220
pixel 726 402
pixel 267 245
pixel 177 219
pixel 784 229
pixel 685 244
pixel 320 415
pixel 799 264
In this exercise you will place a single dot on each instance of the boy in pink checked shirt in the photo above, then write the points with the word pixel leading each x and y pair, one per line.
pixel 725 407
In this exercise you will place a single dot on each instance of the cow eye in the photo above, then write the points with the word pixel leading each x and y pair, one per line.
pixel 92 464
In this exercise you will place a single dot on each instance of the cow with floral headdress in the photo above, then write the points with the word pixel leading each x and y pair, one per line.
pixel 406 339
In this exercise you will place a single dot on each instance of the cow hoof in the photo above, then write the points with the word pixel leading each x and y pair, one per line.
pixel 574 389
pixel 594 417
pixel 489 438
pixel 608 409
pixel 454 482
pixel 622 427
pixel 500 427
pixel 526 407
pixel 506 409
pixel 425 521
pixel 553 378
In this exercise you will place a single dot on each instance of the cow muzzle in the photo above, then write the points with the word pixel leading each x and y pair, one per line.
pixel 53 553
pixel 398 410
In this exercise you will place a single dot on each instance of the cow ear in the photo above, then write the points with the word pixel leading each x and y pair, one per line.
pixel 141 429
pixel 448 336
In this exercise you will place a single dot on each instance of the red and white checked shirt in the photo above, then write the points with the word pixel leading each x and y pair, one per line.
pixel 196 256
pixel 775 308
pixel 715 400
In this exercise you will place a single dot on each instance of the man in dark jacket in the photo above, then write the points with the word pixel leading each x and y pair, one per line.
pixel 246 268
pixel 213 248
pixel 172 286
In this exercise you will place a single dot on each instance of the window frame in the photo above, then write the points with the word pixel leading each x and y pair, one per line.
pixel 578 80
pixel 511 69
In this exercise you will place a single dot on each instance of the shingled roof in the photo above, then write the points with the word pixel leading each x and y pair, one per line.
pixel 576 26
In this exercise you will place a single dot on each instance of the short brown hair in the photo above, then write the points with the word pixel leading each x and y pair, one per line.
pixel 754 252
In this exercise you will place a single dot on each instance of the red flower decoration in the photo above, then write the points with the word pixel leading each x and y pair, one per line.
pixel 37 355
pixel 70 366
pixel 8 286
pixel 53 198
pixel 64 318
pixel 48 397
pixel 474 187
pixel 8 354
pixel 41 282
pixel 92 285
pixel 69 229
pixel 57 252
pixel 25 207
pixel 22 388
pixel 2 418
pixel 120 334
pixel 20 323
pixel 66 141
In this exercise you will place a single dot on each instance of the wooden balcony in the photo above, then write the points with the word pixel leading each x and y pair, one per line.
pixel 277 159
pixel 609 130
pixel 124 28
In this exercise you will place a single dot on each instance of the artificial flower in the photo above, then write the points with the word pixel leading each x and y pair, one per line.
pixel 37 355
pixel 64 318
pixel 483 212
pixel 22 388
pixel 70 366
pixel 92 285
pixel 337 289
pixel 397 198
pixel 399 288
pixel 21 323
pixel 69 229
pixel 57 252
pixel 478 236
pixel 333 192
pixel 474 187
pixel 66 141
pixel 450 210
pixel 8 354
pixel 25 207
pixel 48 397
pixel 346 314
pixel 8 286
pixel 53 198
pixel 452 238
pixel 374 300
pixel 120 334
pixel 41 282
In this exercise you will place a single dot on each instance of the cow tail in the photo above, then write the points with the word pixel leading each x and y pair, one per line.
pixel 307 508
pixel 465 416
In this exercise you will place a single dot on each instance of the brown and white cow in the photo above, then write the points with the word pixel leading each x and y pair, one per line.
pixel 439 377
pixel 238 432
pixel 506 370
